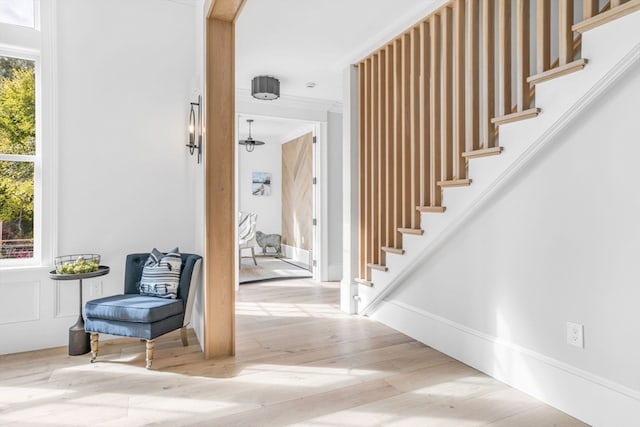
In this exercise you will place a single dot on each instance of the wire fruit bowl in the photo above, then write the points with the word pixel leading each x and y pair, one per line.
pixel 77 263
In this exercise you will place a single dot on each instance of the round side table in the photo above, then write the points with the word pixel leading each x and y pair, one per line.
pixel 78 338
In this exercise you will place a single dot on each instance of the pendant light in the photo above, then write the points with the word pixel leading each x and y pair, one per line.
pixel 250 143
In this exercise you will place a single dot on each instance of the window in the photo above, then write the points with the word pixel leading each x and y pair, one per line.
pixel 17 12
pixel 27 134
pixel 17 156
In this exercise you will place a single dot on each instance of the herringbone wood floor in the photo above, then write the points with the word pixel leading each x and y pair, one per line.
pixel 299 361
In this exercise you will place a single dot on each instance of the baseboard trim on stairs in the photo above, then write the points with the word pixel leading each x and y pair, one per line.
pixel 554 382
pixel 617 71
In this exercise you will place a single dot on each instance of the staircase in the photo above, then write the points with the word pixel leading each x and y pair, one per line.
pixel 434 146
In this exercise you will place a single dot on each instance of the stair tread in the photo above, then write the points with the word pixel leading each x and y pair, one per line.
pixel 414 231
pixel 364 282
pixel 432 209
pixel 379 267
pixel 397 251
pixel 605 17
pixel 517 116
pixel 484 152
pixel 571 67
pixel 455 183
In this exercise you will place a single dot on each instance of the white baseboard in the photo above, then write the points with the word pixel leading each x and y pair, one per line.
pixel 299 255
pixel 588 397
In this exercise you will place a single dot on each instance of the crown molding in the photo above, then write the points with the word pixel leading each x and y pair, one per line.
pixel 294 102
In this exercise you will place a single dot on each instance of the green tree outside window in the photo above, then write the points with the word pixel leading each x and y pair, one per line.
pixel 17 138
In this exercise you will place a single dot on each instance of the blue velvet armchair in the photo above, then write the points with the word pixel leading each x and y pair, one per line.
pixel 143 317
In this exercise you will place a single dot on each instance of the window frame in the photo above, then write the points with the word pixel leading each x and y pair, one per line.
pixel 38 44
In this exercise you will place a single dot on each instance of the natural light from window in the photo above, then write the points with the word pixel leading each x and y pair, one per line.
pixel 17 12
pixel 17 156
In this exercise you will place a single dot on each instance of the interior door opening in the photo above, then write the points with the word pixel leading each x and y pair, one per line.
pixel 280 183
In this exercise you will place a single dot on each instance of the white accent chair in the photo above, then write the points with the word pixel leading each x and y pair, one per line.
pixel 246 234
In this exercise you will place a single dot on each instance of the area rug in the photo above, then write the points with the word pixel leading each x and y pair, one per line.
pixel 270 269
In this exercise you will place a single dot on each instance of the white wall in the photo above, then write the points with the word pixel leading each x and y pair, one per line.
pixel 125 181
pixel 265 158
pixel 559 243
pixel 334 195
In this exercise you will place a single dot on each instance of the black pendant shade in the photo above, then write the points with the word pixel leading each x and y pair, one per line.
pixel 250 143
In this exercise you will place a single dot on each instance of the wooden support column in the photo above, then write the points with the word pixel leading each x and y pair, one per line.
pixel 543 35
pixel 565 22
pixel 397 141
pixel 446 122
pixel 389 153
pixel 488 73
pixel 504 56
pixel 362 234
pixel 472 73
pixel 425 115
pixel 414 133
pixel 408 209
pixel 435 109
pixel 382 155
pixel 365 186
pixel 374 192
pixel 523 90
pixel 458 80
pixel 589 8
pixel 219 178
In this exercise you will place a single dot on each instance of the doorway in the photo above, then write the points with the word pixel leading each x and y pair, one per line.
pixel 288 206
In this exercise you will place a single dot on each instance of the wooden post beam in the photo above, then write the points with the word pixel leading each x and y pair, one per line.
pixel 219 175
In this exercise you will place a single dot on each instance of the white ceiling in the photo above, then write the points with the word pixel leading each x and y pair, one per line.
pixel 300 41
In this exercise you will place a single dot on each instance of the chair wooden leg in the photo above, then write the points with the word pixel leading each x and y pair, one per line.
pixel 94 346
pixel 253 255
pixel 183 336
pixel 150 345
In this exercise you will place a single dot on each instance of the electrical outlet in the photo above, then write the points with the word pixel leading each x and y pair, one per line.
pixel 575 334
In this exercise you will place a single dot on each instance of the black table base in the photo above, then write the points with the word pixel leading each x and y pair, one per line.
pixel 79 340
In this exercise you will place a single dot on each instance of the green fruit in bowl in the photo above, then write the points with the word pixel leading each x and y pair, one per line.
pixel 78 266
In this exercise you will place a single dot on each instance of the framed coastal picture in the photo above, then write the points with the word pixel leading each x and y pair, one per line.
pixel 261 183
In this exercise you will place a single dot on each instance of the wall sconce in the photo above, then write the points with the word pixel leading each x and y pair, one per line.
pixel 195 129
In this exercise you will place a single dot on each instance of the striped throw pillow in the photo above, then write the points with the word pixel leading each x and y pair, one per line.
pixel 161 274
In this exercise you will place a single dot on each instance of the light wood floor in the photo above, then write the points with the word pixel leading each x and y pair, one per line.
pixel 299 361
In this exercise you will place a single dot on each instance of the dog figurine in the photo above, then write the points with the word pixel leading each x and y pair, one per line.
pixel 269 241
